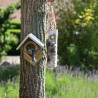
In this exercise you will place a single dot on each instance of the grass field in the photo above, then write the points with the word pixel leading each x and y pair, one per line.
pixel 60 83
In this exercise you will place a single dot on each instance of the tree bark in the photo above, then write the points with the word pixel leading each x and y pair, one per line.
pixel 34 20
pixel 52 48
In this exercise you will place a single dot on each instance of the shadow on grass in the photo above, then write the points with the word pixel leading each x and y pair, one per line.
pixel 8 72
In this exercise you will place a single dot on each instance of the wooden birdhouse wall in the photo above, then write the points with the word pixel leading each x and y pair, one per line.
pixel 28 57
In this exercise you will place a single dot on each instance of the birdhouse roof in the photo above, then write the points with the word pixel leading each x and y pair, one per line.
pixel 33 38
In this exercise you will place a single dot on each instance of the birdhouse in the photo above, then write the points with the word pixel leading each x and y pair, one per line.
pixel 32 49
pixel 50 0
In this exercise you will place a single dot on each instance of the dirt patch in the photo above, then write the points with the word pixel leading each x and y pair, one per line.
pixel 13 60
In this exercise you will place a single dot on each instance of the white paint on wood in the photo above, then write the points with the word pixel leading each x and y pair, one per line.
pixel 33 38
pixel 52 48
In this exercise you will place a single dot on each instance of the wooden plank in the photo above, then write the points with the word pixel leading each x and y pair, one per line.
pixel 38 56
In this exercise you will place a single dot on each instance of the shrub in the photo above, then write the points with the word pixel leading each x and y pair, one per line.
pixel 15 30
pixel 6 38
pixel 78 36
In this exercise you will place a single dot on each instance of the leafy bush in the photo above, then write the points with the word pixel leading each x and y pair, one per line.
pixel 15 30
pixel 6 38
pixel 78 34
pixel 8 72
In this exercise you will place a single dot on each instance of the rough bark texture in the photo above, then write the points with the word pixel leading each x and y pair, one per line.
pixel 34 20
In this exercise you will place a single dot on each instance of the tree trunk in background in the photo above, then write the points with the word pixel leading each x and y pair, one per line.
pixel 52 48
pixel 34 20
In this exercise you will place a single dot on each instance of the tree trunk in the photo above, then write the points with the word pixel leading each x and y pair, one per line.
pixel 34 20
pixel 52 48
pixel 52 42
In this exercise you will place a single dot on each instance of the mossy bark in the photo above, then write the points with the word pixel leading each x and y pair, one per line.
pixel 34 20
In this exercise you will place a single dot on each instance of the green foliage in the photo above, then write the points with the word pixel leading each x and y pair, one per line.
pixel 6 38
pixel 78 34
pixel 9 81
pixel 59 84
pixel 71 85
pixel 15 29
pixel 51 85
pixel 9 72
pixel 10 89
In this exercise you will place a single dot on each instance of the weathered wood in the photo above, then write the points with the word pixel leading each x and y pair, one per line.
pixel 52 48
pixel 34 20
pixel 38 56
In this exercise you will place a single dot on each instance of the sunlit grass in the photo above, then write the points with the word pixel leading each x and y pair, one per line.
pixel 71 85
pixel 10 89
pixel 59 84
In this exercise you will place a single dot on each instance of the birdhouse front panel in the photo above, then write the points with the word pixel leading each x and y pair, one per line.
pixel 32 52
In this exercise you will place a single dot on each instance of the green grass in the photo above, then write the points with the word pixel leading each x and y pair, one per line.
pixel 10 89
pixel 59 84
pixel 69 85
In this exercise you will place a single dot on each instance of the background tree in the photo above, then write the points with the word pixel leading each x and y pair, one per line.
pixel 34 20
pixel 78 34
pixel 6 37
